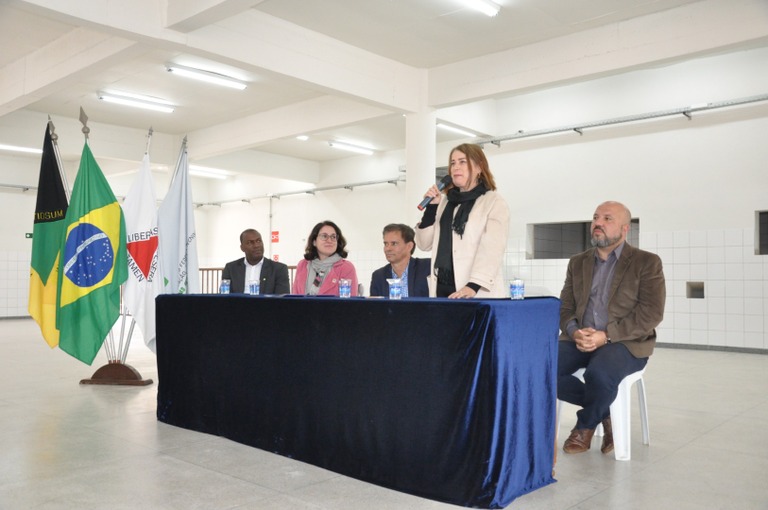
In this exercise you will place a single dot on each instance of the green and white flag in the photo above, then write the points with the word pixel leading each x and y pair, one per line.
pixel 178 237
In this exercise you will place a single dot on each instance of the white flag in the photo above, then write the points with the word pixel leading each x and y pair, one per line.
pixel 178 238
pixel 145 280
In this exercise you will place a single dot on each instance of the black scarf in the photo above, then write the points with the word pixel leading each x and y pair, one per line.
pixel 465 201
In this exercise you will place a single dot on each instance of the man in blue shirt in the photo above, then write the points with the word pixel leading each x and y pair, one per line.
pixel 398 249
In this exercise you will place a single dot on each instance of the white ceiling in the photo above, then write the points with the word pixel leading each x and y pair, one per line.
pixel 331 69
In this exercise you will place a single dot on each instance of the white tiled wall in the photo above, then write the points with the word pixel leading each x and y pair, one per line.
pixel 14 283
pixel 735 302
pixel 735 305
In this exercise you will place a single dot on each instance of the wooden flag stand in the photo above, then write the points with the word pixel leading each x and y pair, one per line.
pixel 116 371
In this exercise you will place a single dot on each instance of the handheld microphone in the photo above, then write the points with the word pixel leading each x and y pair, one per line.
pixel 445 181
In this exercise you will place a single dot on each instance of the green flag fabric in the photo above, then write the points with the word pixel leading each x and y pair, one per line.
pixel 93 263
pixel 50 210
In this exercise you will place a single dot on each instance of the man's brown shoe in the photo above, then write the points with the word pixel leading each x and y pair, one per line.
pixel 607 446
pixel 579 441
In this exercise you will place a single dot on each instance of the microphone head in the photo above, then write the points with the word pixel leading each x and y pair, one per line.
pixel 445 181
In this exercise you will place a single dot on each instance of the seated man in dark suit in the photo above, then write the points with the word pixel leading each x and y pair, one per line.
pixel 612 301
pixel 272 276
pixel 398 248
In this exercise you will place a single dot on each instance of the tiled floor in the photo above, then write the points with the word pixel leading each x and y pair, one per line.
pixel 69 446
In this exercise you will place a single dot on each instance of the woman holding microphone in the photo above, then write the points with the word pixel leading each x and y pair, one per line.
pixel 466 228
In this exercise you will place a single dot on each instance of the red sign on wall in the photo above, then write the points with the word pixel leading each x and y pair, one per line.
pixel 276 257
pixel 275 236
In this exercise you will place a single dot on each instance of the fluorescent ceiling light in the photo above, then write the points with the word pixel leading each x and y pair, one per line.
pixel 351 148
pixel 209 173
pixel 456 130
pixel 15 148
pixel 487 7
pixel 137 101
pixel 207 76
pixel 303 138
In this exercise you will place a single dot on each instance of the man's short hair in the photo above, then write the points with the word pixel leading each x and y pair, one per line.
pixel 406 233
pixel 248 231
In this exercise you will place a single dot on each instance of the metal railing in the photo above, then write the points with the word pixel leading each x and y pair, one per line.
pixel 210 278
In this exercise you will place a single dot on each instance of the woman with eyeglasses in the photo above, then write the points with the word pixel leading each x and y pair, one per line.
pixel 324 264
pixel 466 228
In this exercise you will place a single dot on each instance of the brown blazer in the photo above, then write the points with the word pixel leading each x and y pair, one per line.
pixel 636 302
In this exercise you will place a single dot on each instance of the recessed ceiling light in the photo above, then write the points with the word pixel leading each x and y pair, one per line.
pixel 303 138
pixel 456 130
pixel 210 173
pixel 16 148
pixel 207 76
pixel 487 7
pixel 351 147
pixel 137 101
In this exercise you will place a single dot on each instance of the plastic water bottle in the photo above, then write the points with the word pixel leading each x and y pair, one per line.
pixel 345 288
pixel 224 287
pixel 517 288
pixel 395 288
pixel 254 287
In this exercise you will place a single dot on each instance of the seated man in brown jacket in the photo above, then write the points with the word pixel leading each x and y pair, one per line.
pixel 612 301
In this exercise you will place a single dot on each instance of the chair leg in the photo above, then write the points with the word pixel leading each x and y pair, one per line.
pixel 643 411
pixel 621 415
pixel 620 419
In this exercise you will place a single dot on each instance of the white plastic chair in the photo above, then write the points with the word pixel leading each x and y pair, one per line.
pixel 621 414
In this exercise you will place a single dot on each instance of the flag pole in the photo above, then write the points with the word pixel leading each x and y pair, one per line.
pixel 178 161
pixel 62 173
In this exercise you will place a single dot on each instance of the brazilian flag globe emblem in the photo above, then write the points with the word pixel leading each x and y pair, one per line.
pixel 88 256
pixel 93 263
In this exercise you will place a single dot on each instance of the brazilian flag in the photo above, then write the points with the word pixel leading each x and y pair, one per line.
pixel 50 213
pixel 93 263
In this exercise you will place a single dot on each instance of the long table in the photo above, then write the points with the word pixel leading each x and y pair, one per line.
pixel 452 400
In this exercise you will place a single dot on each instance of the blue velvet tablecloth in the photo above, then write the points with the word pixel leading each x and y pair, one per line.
pixel 452 400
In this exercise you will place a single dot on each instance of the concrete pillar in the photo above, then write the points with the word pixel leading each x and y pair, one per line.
pixel 420 143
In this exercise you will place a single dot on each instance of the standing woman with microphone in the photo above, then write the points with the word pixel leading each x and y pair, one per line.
pixel 466 230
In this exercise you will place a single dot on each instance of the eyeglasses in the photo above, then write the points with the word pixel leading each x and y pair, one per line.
pixel 327 237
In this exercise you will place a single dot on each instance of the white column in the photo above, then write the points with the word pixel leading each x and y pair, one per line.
pixel 420 143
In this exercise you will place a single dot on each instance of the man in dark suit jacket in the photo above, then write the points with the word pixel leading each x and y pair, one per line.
pixel 612 301
pixel 272 276
pixel 398 248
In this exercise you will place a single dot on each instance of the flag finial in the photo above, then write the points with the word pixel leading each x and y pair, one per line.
pixel 52 130
pixel 149 139
pixel 84 122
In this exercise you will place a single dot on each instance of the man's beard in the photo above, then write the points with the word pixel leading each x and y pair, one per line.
pixel 605 241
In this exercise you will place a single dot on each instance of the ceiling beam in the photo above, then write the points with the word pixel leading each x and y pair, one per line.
pixel 254 41
pixel 57 64
pixel 299 118
pixel 188 15
pixel 656 39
